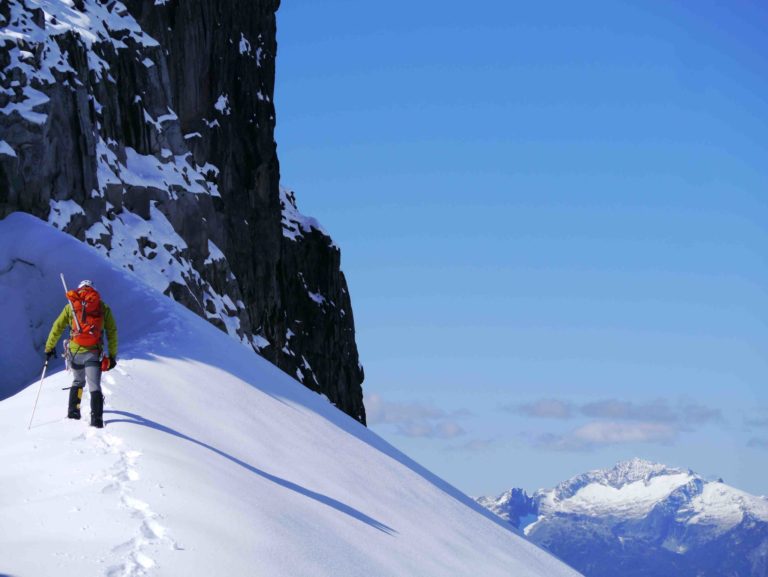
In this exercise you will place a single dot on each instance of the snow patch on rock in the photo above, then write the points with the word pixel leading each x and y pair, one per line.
pixel 245 45
pixel 62 212
pixel 100 26
pixel 7 149
pixel 295 224
pixel 222 105
pixel 214 253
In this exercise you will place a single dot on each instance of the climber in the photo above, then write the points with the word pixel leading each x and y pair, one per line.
pixel 86 315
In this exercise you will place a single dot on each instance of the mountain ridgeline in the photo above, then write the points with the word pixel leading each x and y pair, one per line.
pixel 146 129
pixel 643 519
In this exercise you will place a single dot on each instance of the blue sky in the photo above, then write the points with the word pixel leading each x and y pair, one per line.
pixel 553 220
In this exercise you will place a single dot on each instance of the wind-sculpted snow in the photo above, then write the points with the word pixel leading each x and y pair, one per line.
pixel 213 461
pixel 644 519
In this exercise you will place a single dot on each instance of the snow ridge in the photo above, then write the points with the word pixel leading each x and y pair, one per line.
pixel 213 461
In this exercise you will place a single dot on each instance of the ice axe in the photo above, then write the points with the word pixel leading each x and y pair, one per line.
pixel 74 316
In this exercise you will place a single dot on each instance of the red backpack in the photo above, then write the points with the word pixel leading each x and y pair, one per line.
pixel 86 308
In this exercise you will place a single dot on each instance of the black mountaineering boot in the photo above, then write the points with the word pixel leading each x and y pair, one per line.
pixel 75 394
pixel 97 409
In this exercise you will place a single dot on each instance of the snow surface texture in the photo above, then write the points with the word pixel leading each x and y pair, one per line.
pixel 213 461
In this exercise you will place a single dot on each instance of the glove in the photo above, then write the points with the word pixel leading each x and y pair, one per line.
pixel 50 354
pixel 108 363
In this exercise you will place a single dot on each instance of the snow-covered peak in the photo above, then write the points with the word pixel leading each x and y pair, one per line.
pixel 631 500
pixel 632 490
pixel 623 473
pixel 654 519
pixel 629 489
pixel 636 470
pixel 723 506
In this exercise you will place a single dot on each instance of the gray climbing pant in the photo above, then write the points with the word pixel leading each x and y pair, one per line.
pixel 86 367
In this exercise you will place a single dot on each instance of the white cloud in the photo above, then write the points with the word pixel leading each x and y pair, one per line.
pixel 658 410
pixel 378 411
pixel 757 443
pixel 758 418
pixel 547 409
pixel 603 433
pixel 414 419
pixel 684 413
pixel 449 430
pixel 611 433
pixel 474 445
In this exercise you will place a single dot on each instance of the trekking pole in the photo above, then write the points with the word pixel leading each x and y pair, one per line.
pixel 40 388
pixel 74 316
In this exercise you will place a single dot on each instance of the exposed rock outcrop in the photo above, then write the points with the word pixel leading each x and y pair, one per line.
pixel 146 129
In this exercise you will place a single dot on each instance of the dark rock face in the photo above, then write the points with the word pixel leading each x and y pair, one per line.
pixel 147 130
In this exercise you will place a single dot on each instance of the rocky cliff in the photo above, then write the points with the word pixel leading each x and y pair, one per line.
pixel 146 129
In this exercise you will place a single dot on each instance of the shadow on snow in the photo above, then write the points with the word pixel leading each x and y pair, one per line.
pixel 134 419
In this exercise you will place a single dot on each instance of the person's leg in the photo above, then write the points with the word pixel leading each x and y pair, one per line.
pixel 76 392
pixel 97 409
pixel 93 377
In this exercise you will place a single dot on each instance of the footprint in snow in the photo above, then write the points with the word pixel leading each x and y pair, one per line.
pixel 150 534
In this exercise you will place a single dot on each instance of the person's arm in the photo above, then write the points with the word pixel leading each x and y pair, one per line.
pixel 61 323
pixel 111 329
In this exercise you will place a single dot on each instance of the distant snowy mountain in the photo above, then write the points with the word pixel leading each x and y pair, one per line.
pixel 213 461
pixel 644 519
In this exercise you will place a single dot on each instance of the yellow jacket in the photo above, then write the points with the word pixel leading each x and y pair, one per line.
pixel 65 320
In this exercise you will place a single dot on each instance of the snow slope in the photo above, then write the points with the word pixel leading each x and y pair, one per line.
pixel 213 461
